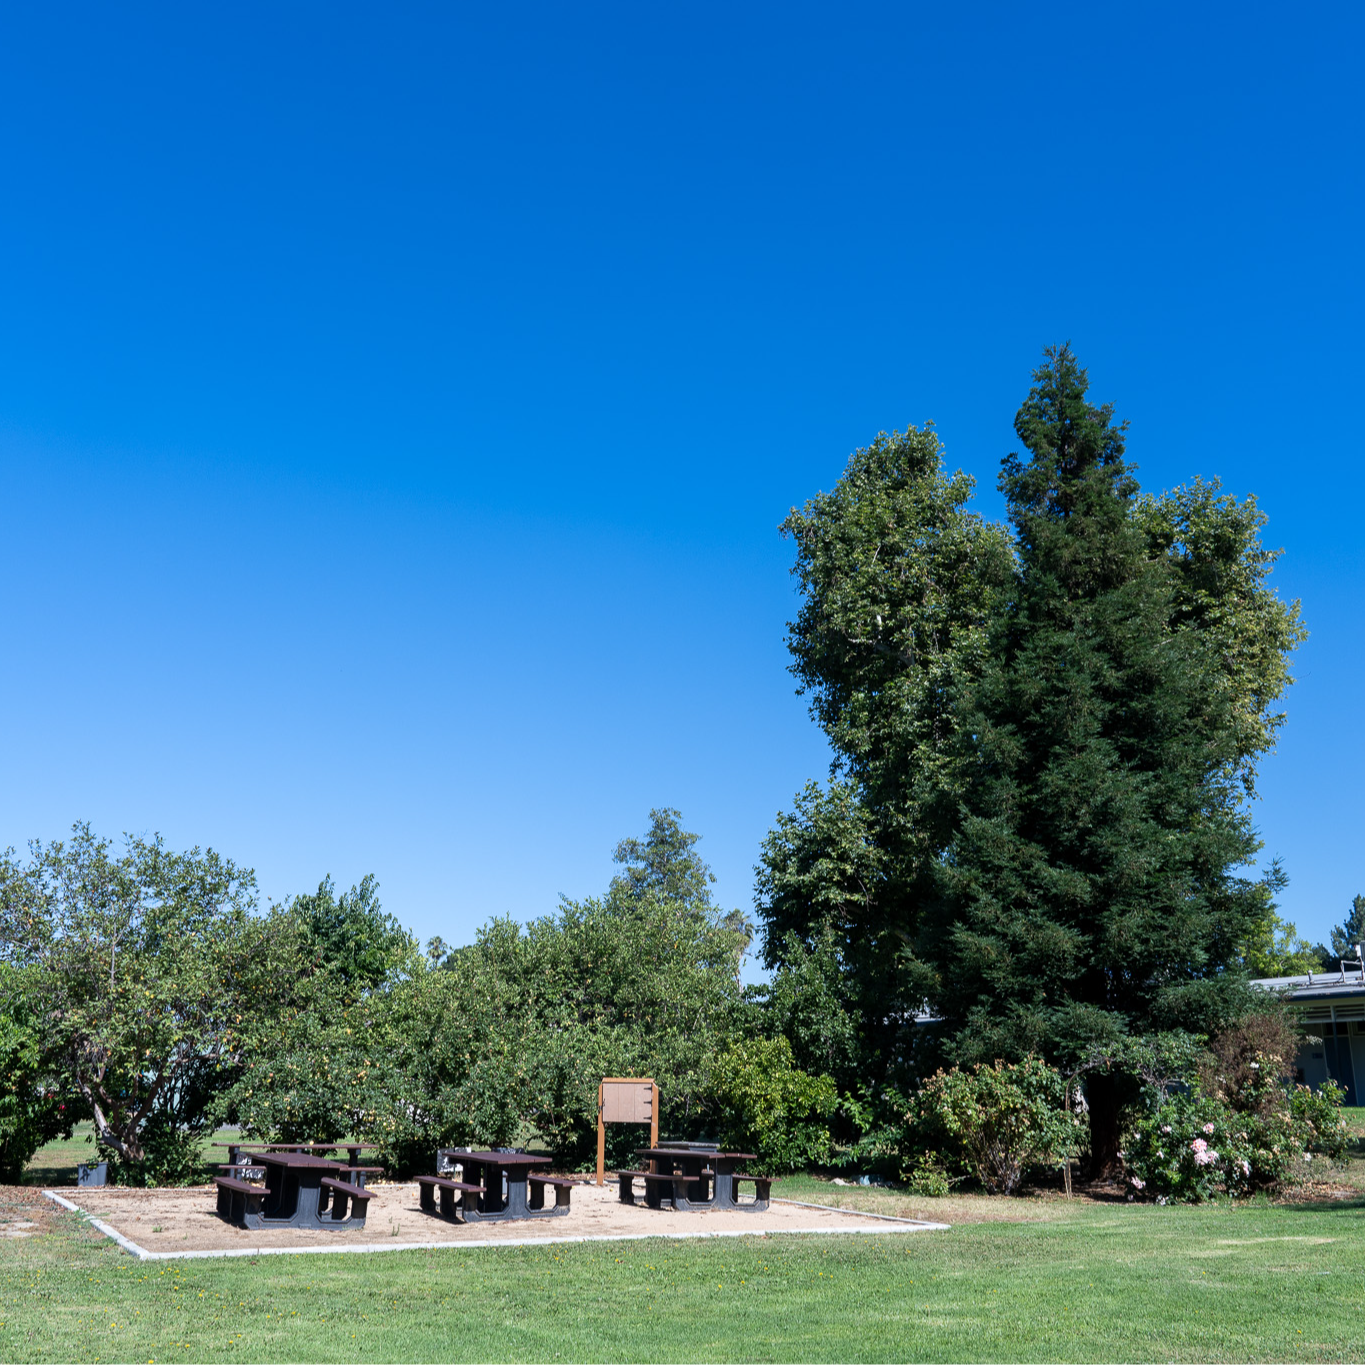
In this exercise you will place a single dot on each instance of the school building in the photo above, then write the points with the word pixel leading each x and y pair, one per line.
pixel 1331 1007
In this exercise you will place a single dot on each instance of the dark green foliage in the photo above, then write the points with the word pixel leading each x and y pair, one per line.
pixel 36 1103
pixel 1090 890
pixel 1345 936
pixel 807 1003
pixel 1043 752
pixel 350 935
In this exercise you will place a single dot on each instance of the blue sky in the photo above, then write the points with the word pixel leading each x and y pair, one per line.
pixel 397 404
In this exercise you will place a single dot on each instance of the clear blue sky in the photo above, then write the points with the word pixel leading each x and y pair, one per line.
pixel 397 403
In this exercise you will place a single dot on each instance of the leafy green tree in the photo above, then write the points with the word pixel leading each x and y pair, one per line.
pixel 666 865
pixel 314 1049
pixel 766 1103
pixel 1221 592
pixel 1090 890
pixel 1043 746
pixel 807 1003
pixel 35 1104
pixel 899 581
pixel 1274 947
pixel 511 1035
pixel 141 965
pixel 351 935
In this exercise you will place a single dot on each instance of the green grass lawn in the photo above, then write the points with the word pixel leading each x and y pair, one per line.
pixel 1081 1281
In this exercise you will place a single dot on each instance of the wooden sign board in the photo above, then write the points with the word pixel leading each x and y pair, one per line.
pixel 625 1099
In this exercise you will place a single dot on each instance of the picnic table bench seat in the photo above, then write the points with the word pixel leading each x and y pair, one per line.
pixel 344 1193
pixel 763 1185
pixel 237 1198
pixel 429 1184
pixel 654 1182
pixel 362 1172
pixel 561 1185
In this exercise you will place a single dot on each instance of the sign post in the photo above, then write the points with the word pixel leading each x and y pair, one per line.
pixel 625 1099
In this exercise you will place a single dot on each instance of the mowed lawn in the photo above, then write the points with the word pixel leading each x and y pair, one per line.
pixel 1087 1282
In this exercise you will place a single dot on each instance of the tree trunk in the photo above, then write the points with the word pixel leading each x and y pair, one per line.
pixel 1102 1092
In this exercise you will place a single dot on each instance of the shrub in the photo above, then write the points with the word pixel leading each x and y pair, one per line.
pixel 1192 1147
pixel 997 1121
pixel 1188 1148
pixel 771 1107
pixel 1248 1064
pixel 172 1155
pixel 926 1177
pixel 1318 1120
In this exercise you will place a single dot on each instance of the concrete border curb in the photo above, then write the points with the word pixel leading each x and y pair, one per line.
pixel 142 1254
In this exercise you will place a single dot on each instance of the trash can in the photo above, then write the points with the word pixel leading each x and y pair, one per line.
pixel 92 1173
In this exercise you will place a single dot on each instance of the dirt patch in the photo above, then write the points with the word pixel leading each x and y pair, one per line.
pixel 24 1213
pixel 187 1220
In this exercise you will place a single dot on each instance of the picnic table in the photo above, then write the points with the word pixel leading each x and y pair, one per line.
pixel 299 1190
pixel 496 1187
pixel 352 1149
pixel 694 1177
pixel 254 1171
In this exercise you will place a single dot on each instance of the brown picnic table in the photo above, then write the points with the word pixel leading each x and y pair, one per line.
pixel 694 1178
pixel 244 1163
pixel 352 1149
pixel 299 1190
pixel 496 1187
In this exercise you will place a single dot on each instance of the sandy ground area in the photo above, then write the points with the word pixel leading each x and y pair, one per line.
pixel 187 1220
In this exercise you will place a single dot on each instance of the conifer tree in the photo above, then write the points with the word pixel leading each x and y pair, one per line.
pixel 1350 932
pixel 1091 890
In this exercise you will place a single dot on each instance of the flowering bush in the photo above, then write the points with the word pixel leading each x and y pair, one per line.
pixel 1317 1115
pixel 1192 1147
pixel 996 1120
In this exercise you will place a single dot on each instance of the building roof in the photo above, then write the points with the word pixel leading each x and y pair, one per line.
pixel 1343 984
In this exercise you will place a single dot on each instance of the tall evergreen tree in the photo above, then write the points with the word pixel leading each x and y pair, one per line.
pixel 1350 932
pixel 1043 748
pixel 1091 889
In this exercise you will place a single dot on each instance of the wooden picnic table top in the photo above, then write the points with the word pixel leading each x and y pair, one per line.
pixel 297 1159
pixel 505 1158
pixel 245 1145
pixel 700 1154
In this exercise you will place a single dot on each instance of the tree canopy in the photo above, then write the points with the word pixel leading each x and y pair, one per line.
pixel 1045 736
pixel 142 965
